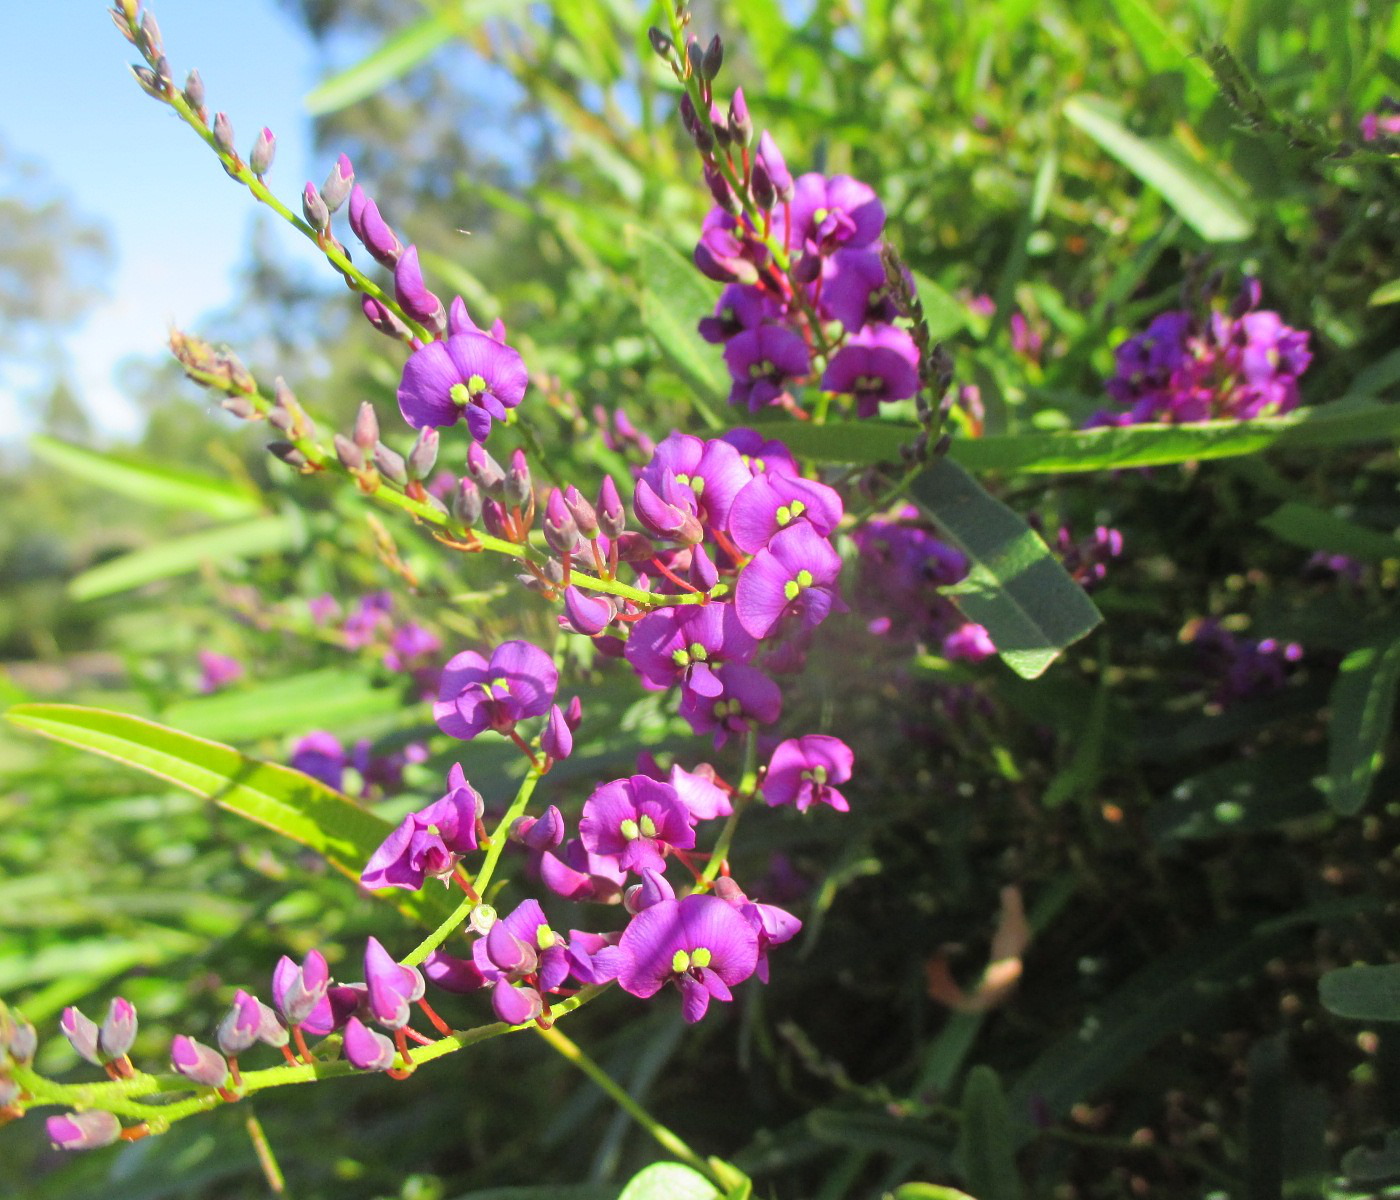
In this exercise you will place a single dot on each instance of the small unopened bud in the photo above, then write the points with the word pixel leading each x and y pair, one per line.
pixel 612 517
pixel 413 294
pixel 240 406
pixel 194 91
pixel 765 195
pixel 776 166
pixel 263 152
pixel 662 44
pixel 713 58
pixel 288 453
pixel 81 1032
pixel 9 1091
pixel 423 456
pixel 23 1041
pixel 688 117
pixel 718 126
pixel 336 190
pixel 517 484
pixel 635 547
pixel 160 67
pixel 366 426
pixel 352 458
pixel 384 319
pixel 573 714
pixel 151 86
pixel 198 1062
pixel 557 740
pixel 239 1028
pixel 150 35
pixel 560 529
pixel 497 521
pixel 466 503
pixel 314 209
pixel 740 123
pixel 721 191
pixel 391 464
pixel 118 1030
pixel 694 58
pixel 584 514
pixel 807 268
pixel 83 1130
pixel 485 471
pixel 373 230
pixel 223 135
pixel 123 22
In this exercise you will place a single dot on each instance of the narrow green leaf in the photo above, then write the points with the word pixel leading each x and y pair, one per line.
pixel 674 297
pixel 1267 1074
pixel 1164 51
pixel 396 57
pixel 552 1191
pixel 151 482
pixel 668 1181
pixel 328 699
pixel 1201 197
pixel 1362 993
pixel 1015 588
pixel 928 1191
pixel 180 555
pixel 1362 703
pixel 1317 529
pixel 986 1147
pixel 295 805
pixel 1387 293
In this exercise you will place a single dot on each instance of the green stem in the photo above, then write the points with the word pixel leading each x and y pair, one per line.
pixel 615 587
pixel 668 1140
pixel 742 795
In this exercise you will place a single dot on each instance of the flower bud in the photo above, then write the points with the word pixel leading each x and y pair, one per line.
pixel 557 741
pixel 223 136
pixel 585 614
pixel 198 1062
pixel 485 471
pixel 540 833
pixel 573 714
pixel 660 42
pixel 297 990
pixel 515 1005
pixel 148 81
pixel 688 117
pixel 713 59
pixel 118 1031
pixel 560 530
pixel 765 195
pixel 239 1028
pixel 517 484
pixel 612 517
pixel 352 458
pixel 366 426
pixel 314 209
pixel 635 547
pixel 384 319
pixel 288 453
pixel 160 67
pixel 372 230
pixel 411 292
pixel 83 1130
pixel 694 58
pixel 807 268
pixel 194 91
pixel 466 503
pixel 497 521
pixel 721 191
pixel 81 1031
pixel 23 1041
pixel 391 464
pixel 151 42
pixel 9 1091
pixel 740 124
pixel 336 190
pixel 774 164
pixel 718 126
pixel 366 1049
pixel 423 456
pixel 583 513
pixel 263 152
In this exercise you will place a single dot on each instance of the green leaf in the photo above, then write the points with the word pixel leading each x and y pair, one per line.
pixel 180 555
pixel 1104 449
pixel 150 482
pixel 927 1191
pixel 1015 588
pixel 582 1191
pixel 396 57
pixel 1362 703
pixel 295 805
pixel 1317 529
pixel 1164 51
pixel 1387 293
pixel 1362 993
pixel 328 699
pixel 674 297
pixel 1201 197
pixel 668 1181
pixel 986 1147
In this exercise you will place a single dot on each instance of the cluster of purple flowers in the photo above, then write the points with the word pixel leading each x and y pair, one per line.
pixel 1231 366
pixel 1239 668
pixel 406 647
pixel 322 756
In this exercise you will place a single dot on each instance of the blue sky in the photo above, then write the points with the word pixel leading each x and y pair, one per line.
pixel 178 225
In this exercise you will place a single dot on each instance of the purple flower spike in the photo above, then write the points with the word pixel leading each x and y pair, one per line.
pixel 298 991
pixel 81 1031
pixel 701 944
pixel 762 361
pixel 748 697
pixel 453 974
pixel 413 294
pixel 803 769
pixel 392 987
pixel 83 1130
pixel 557 741
pixel 585 614
pixel 520 681
pixel 467 375
pixel 366 1049
pixel 636 820
pixel 428 843
pixel 795 575
pixel 880 364
pixel 198 1062
pixel 118 1031
pixel 515 1005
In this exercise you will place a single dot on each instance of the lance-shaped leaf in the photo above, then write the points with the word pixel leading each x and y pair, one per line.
pixel 1362 993
pixel 1363 703
pixel 986 1147
pixel 1015 587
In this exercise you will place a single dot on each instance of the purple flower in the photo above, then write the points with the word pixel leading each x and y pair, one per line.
pixel 521 947
pixel 366 1049
pixel 653 889
pixel 773 925
pixel 594 957
pixel 793 576
pixel 474 695
pixel 761 455
pixel 391 987
pixel 453 974
pixel 855 290
pixel 803 769
pixel 700 793
pixel 299 992
pixel 700 943
pixel 515 1005
pixel 762 361
pixel 738 308
pixel 576 873
pixel 89 1130
pixel 217 671
pixel 369 618
pixel 198 1062
pixel 410 642
pixel 636 820
pixel 320 755
pixel 685 645
pixel 413 294
pixel 878 365
pixel 829 213
pixel 430 842
pixel 585 614
pixel 772 502
pixel 468 374
pixel 748 697
pixel 727 251
pixel 713 472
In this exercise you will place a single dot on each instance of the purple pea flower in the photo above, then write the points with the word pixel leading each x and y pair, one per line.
pixel 685 645
pixel 391 987
pixel 738 308
pixel 761 455
pixel 773 925
pixel 198 1062
pixel 515 1005
pixel 594 957
pixel 828 213
pixel 428 843
pixel 520 681
pixel 410 642
pixel 653 889
pixel 320 755
pixel 803 769
pixel 855 289
pixel 299 992
pixel 749 697
pixel 794 575
pixel 366 1049
pixel 762 361
pixel 453 974
pixel 585 614
pixel 522 946
pixel 727 251
pixel 700 793
pixel 372 229
pixel 89 1130
pixel 413 294
pixel 878 365
pixel 700 943
pixel 969 642
pixel 713 471
pixel 466 374
pixel 576 873
pixel 217 671
pixel 772 502
pixel 636 820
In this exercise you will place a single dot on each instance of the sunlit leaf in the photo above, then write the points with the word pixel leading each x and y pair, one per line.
pixel 668 1181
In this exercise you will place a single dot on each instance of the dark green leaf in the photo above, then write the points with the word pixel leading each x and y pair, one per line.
pixel 1362 993
pixel 986 1147
pixel 1363 702
pixel 1317 529
pixel 1015 588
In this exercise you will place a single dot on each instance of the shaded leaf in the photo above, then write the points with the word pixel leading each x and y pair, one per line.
pixel 327 699
pixel 1317 529
pixel 1362 993
pixel 986 1147
pixel 1363 703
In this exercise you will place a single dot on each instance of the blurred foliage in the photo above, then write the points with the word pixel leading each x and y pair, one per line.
pixel 1189 868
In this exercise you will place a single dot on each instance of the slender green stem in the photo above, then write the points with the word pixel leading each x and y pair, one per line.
pixel 743 794
pixel 615 587
pixel 276 1181
pixel 669 1141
